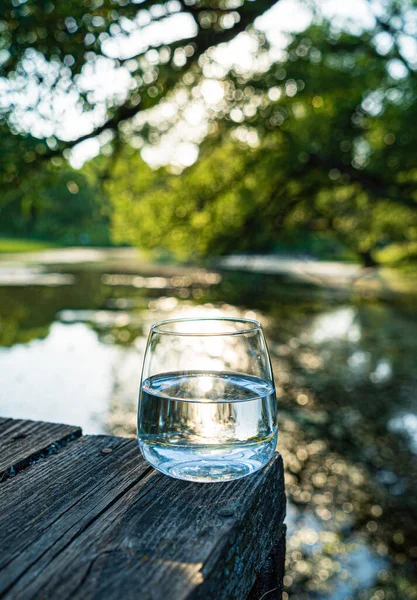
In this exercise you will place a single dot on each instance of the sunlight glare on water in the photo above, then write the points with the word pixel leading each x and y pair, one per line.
pixel 339 325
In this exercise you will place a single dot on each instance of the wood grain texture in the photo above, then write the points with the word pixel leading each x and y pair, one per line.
pixel 57 499
pixel 269 581
pixel 104 525
pixel 23 442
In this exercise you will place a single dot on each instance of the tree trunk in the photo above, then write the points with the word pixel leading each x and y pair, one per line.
pixel 367 259
pixel 32 218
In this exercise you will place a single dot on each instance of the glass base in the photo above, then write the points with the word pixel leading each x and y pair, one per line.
pixel 208 465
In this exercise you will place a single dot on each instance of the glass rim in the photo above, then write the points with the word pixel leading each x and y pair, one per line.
pixel 252 325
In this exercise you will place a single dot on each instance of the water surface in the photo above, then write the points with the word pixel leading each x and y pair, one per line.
pixel 344 352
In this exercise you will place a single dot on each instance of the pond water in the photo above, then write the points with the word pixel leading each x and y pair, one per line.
pixel 73 330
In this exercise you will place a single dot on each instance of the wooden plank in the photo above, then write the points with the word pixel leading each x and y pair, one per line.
pixel 23 442
pixel 47 506
pixel 269 581
pixel 107 526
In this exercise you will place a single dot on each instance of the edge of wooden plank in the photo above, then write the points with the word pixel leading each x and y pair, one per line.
pixel 239 558
pixel 269 583
pixel 57 436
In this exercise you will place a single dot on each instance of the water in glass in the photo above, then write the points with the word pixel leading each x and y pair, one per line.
pixel 207 425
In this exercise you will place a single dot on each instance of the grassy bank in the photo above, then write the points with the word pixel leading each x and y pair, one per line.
pixel 12 244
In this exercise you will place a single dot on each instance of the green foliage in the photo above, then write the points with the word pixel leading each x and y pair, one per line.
pixel 50 50
pixel 316 145
pixel 10 244
pixel 186 215
pixel 319 144
pixel 48 53
pixel 58 204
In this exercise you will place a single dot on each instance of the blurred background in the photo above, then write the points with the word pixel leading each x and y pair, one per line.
pixel 244 158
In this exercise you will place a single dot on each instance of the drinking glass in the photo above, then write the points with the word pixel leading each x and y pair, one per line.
pixel 207 405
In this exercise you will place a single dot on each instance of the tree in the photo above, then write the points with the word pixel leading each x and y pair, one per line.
pixel 318 143
pixel 52 48
pixel 49 53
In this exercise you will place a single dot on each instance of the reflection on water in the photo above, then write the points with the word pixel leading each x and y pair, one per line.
pixel 339 324
pixel 346 376
pixel 332 568
pixel 66 377
pixel 33 275
pixel 406 424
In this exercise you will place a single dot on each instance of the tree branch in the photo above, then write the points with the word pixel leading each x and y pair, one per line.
pixel 203 41
pixel 370 183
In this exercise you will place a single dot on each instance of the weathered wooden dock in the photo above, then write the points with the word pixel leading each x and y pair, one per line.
pixel 87 517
